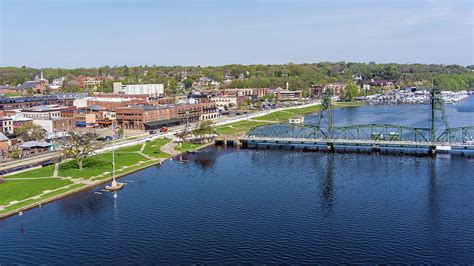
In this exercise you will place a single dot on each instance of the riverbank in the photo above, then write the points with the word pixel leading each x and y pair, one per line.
pixel 39 186
pixel 280 116
pixel 34 187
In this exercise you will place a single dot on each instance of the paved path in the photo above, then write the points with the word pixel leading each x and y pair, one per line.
pixel 169 148
pixel 31 160
pixel 56 169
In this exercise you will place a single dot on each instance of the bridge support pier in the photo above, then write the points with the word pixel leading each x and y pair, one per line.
pixel 330 147
pixel 432 150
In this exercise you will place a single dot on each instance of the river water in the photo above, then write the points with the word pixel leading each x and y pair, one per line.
pixel 264 206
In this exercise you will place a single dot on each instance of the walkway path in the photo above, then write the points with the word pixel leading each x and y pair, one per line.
pixel 56 169
pixel 169 148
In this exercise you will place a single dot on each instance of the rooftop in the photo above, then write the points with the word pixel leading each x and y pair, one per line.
pixel 44 108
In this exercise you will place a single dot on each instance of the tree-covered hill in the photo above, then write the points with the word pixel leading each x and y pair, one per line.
pixel 298 76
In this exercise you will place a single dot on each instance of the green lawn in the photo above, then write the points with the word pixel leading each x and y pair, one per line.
pixel 39 172
pixel 134 148
pixel 187 146
pixel 48 195
pixel 98 164
pixel 152 148
pixel 348 104
pixel 284 115
pixel 21 189
pixel 16 190
pixel 277 117
pixel 238 127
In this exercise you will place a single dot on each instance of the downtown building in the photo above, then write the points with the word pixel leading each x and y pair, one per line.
pixel 150 117
pixel 151 90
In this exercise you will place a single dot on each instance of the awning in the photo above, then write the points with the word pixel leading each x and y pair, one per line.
pixel 173 121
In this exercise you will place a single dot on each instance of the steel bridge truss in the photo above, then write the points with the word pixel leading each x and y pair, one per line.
pixel 373 132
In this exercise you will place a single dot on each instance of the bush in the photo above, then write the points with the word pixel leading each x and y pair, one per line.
pixel 15 153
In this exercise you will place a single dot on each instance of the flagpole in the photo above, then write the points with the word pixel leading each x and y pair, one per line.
pixel 113 154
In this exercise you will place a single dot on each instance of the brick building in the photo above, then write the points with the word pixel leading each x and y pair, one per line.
pixel 8 103
pixel 153 117
pixel 146 117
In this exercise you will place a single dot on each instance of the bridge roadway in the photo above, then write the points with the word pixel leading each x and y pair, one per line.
pixel 252 140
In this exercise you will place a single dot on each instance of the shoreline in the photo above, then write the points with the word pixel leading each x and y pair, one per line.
pixel 92 185
pixel 173 157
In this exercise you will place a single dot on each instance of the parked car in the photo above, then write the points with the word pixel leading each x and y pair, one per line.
pixel 104 138
pixel 164 129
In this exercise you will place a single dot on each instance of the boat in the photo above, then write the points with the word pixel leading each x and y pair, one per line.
pixel 114 186
pixel 443 148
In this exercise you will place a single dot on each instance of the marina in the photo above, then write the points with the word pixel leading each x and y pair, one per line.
pixel 413 96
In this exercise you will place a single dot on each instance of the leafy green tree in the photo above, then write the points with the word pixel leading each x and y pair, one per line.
pixel 188 83
pixel 171 87
pixel 79 146
pixel 350 92
pixel 29 131
pixel 121 132
pixel 204 129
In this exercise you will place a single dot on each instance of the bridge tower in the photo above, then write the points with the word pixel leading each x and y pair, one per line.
pixel 325 123
pixel 439 118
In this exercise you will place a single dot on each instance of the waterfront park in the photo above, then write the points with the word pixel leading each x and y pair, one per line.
pixel 47 183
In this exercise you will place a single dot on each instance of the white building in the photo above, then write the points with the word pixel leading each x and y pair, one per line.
pixel 153 90
pixel 7 125
pixel 42 112
pixel 225 101
pixel 296 120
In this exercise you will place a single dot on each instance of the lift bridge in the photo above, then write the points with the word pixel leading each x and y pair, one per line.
pixel 439 136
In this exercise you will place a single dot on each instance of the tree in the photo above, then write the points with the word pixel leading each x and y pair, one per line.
pixel 188 83
pixel 79 146
pixel 29 131
pixel 121 132
pixel 350 92
pixel 171 87
pixel 204 129
pixel 126 72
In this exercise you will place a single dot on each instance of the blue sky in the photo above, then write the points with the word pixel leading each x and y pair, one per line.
pixel 85 33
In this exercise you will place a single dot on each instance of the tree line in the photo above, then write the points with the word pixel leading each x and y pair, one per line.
pixel 297 76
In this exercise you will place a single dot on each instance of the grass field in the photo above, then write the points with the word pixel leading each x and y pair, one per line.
pixel 275 117
pixel 238 127
pixel 152 148
pixel 187 146
pixel 134 148
pixel 39 172
pixel 98 164
pixel 14 190
pixel 94 168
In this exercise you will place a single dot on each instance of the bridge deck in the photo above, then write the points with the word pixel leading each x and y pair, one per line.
pixel 351 142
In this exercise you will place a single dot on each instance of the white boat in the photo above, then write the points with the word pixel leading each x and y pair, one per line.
pixel 443 148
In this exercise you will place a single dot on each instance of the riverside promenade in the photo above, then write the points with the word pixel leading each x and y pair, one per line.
pixel 128 160
pixel 33 187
